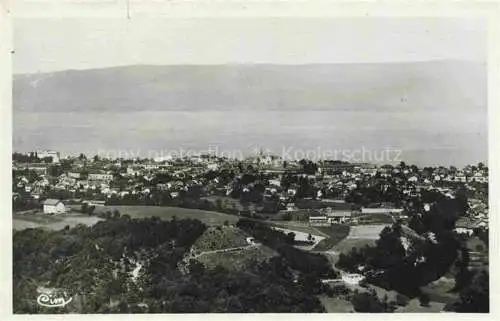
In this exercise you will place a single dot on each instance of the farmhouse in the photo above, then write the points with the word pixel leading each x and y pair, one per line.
pixel 318 221
pixel 53 206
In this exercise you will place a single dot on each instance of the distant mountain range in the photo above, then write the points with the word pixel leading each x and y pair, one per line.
pixel 445 85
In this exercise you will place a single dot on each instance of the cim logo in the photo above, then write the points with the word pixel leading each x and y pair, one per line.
pixel 53 298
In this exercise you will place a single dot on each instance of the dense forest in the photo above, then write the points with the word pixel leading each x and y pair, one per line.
pixel 124 265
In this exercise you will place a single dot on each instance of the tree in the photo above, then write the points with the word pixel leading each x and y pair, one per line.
pixel 311 283
pixel 368 302
pixel 116 213
pixel 424 299
pixel 85 207
pixel 218 204
pixel 402 300
pixel 475 297
pixel 340 290
pixel 91 209
pixel 290 238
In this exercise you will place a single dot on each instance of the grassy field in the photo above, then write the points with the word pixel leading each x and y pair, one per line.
pixel 336 305
pixel 51 222
pixel 359 236
pixel 440 290
pixel 39 218
pixel 167 213
pixel 414 307
pixel 370 232
pixel 376 218
pixel 336 233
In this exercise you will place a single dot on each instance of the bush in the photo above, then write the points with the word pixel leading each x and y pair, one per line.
pixel 340 290
pixel 368 302
pixel 424 300
pixel 402 300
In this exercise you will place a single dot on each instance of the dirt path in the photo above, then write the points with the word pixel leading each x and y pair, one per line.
pixel 239 248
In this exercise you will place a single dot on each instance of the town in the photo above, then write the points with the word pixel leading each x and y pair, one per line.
pixel 262 186
pixel 344 212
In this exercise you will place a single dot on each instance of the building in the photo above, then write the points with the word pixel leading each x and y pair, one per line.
pixel 76 175
pixel 479 177
pixel 338 216
pixel 352 278
pixel 290 207
pixel 49 153
pixel 53 206
pixel 39 168
pixel 464 226
pixel 318 221
pixel 95 202
pixel 381 210
pixel 213 166
pixel 335 167
pixel 100 177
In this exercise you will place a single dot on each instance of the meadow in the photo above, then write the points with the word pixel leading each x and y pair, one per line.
pixel 167 213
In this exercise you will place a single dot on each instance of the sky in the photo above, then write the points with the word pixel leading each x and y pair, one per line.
pixel 52 44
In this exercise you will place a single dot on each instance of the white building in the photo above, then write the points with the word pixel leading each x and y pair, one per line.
pixel 53 206
pixel 275 182
pixel 100 177
pixel 76 175
pixel 378 210
pixel 352 278
pixel 213 166
pixel 318 221
pixel 338 216
pixel 49 153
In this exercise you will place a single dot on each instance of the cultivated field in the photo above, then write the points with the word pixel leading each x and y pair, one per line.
pixel 336 233
pixel 359 236
pixel 370 232
pixel 167 213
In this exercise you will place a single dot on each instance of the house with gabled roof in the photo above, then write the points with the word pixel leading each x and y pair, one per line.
pixel 53 206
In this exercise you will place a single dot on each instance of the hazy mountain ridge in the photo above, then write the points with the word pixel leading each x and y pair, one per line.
pixel 448 85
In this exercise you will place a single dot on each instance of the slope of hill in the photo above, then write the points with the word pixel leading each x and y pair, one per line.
pixel 227 247
pixel 220 237
pixel 436 84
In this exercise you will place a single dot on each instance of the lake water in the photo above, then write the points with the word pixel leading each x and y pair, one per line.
pixel 432 137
